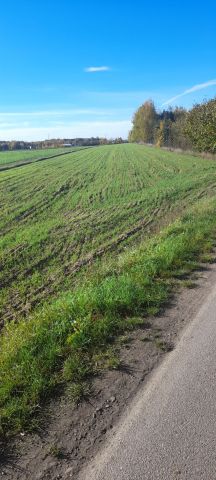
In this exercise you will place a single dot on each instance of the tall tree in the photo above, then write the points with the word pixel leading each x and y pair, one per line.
pixel 164 133
pixel 144 124
pixel 178 136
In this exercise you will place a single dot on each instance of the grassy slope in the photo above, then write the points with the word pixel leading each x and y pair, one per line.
pixel 17 156
pixel 89 200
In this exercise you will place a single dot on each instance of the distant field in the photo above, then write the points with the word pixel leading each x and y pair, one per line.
pixel 91 244
pixel 17 156
pixel 58 212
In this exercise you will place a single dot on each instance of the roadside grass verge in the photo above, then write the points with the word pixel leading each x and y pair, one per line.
pixel 72 338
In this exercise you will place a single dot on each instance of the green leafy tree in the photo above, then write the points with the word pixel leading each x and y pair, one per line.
pixel 201 126
pixel 144 124
pixel 178 137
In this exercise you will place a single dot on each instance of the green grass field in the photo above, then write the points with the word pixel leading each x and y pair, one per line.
pixel 57 212
pixel 21 156
pixel 89 243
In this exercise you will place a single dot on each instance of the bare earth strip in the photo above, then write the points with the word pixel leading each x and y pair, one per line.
pixel 72 435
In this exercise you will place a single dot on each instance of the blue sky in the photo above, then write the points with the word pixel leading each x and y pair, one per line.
pixel 151 49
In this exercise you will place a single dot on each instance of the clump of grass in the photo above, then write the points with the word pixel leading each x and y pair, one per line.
pixel 160 344
pixel 104 360
pixel 207 258
pixel 188 283
pixel 56 451
pixel 68 340
pixel 78 390
pixel 146 339
pixel 152 311
pixel 163 346
pixel 125 339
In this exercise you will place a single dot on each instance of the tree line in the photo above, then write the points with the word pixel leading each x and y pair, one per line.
pixel 176 127
pixel 58 142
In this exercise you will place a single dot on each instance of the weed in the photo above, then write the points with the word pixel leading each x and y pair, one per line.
pixel 56 451
pixel 188 283
pixel 207 258
pixel 146 339
pixel 103 360
pixel 152 311
pixel 125 339
pixel 78 391
pixel 163 346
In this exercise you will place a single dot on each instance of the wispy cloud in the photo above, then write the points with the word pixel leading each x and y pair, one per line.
pixel 68 112
pixel 195 88
pixel 97 69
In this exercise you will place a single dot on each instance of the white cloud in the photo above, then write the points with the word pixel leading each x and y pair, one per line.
pixel 195 88
pixel 55 113
pixel 97 69
pixel 72 130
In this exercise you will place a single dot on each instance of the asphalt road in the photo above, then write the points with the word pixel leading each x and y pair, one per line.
pixel 169 431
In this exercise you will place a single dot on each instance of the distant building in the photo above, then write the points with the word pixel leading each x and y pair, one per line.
pixel 67 145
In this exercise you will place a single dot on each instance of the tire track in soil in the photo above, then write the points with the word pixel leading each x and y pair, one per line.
pixel 28 162
pixel 49 288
